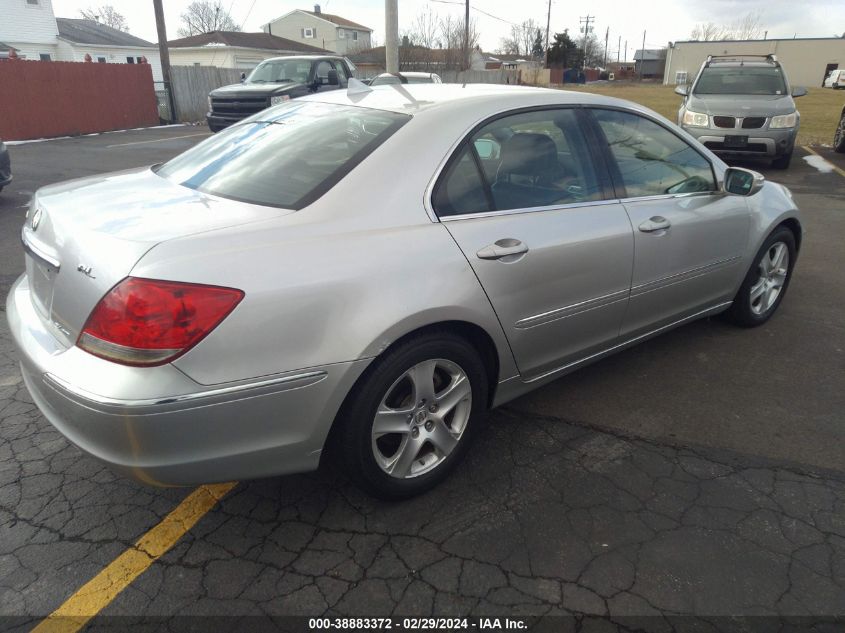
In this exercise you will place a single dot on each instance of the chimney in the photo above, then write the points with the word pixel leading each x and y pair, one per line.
pixel 317 9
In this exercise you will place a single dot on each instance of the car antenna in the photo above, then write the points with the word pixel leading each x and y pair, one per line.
pixel 357 87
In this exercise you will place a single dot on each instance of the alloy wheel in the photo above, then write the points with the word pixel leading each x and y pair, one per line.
pixel 773 269
pixel 421 418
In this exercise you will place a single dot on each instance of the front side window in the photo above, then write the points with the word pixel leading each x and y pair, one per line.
pixel 526 160
pixel 652 160
pixel 285 156
pixel 740 80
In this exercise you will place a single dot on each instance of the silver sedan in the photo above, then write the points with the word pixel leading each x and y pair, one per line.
pixel 358 276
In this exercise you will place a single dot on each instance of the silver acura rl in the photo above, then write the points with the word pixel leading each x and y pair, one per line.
pixel 358 276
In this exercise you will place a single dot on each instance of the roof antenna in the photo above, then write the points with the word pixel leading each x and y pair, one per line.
pixel 357 87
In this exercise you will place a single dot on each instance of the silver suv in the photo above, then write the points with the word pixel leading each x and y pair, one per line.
pixel 741 106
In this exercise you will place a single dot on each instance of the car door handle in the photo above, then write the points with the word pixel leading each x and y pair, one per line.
pixel 655 223
pixel 502 248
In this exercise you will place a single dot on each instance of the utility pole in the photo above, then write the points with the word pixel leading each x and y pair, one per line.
pixel 626 51
pixel 606 35
pixel 548 22
pixel 391 38
pixel 466 37
pixel 642 57
pixel 586 29
pixel 164 55
pixel 618 49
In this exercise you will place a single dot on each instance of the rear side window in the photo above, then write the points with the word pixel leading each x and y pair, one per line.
pixel 286 156
pixel 653 161
pixel 526 160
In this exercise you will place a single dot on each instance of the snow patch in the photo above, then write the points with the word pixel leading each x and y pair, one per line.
pixel 819 163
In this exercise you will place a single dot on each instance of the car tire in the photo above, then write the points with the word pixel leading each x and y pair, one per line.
pixel 766 282
pixel 839 136
pixel 782 162
pixel 413 445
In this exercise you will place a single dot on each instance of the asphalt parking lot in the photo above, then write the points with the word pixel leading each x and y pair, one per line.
pixel 697 476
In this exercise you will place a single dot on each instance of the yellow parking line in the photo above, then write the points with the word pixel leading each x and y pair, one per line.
pixel 98 592
pixel 838 170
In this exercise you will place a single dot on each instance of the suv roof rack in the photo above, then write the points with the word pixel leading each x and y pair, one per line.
pixel 740 58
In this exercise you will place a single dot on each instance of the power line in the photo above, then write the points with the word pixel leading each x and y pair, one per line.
pixel 474 8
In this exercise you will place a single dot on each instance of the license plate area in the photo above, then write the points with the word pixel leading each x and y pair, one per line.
pixel 736 142
pixel 41 280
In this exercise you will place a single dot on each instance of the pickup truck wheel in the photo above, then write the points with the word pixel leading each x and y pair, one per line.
pixel 839 136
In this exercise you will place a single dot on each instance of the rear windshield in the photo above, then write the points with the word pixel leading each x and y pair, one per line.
pixel 741 80
pixel 281 71
pixel 286 156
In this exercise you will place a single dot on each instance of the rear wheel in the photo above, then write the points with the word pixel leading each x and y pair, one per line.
pixel 412 417
pixel 764 286
pixel 839 135
pixel 782 162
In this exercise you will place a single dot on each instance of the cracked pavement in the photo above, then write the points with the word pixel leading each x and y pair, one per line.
pixel 567 504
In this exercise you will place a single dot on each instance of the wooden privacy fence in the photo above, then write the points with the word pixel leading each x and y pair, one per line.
pixel 191 85
pixel 480 76
pixel 44 99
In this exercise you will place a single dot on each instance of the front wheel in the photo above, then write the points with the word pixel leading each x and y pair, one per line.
pixel 839 136
pixel 764 286
pixel 412 416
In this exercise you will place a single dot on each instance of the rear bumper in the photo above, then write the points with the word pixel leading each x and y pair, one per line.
pixel 761 143
pixel 158 426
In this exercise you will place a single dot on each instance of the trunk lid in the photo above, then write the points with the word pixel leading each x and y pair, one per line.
pixel 84 236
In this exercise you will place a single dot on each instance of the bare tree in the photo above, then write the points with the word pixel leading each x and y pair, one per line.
pixel 205 17
pixel 707 32
pixel 107 15
pixel 593 52
pixel 456 55
pixel 417 51
pixel 521 39
pixel 745 28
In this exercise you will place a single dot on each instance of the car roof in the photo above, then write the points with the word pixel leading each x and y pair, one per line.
pixel 413 98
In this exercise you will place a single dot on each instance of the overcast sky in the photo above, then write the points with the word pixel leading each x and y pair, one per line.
pixel 663 20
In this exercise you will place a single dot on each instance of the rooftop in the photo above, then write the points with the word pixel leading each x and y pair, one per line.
pixel 81 31
pixel 336 19
pixel 245 40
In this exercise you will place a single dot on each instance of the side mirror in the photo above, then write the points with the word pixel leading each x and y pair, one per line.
pixel 243 77
pixel 332 78
pixel 742 182
pixel 799 92
pixel 681 90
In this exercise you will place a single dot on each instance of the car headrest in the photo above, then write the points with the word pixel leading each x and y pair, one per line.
pixel 528 153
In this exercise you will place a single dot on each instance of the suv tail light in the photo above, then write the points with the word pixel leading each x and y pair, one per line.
pixel 149 322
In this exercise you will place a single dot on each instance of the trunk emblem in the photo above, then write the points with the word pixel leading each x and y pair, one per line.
pixel 86 270
pixel 36 219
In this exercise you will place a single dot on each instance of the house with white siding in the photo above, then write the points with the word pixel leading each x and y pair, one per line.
pixel 324 30
pixel 31 28
pixel 234 49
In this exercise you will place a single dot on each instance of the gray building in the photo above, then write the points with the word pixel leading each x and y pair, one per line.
pixel 649 62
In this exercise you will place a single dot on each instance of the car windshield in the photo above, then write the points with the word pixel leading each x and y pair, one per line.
pixel 741 80
pixel 383 80
pixel 286 156
pixel 281 71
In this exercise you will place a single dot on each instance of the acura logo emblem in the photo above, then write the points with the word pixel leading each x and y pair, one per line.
pixel 36 219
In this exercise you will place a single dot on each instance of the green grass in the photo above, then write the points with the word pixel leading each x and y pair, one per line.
pixel 820 108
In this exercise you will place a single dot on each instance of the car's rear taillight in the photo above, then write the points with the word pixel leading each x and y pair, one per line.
pixel 151 322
